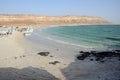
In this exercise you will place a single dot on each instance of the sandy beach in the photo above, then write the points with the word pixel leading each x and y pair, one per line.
pixel 17 52
pixel 59 40
pixel 19 60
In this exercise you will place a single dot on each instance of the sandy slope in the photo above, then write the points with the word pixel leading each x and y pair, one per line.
pixel 17 53
pixel 9 47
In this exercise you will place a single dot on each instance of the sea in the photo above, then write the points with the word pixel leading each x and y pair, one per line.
pixel 85 36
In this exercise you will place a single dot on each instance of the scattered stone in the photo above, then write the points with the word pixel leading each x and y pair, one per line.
pixel 117 51
pixel 99 56
pixel 54 63
pixel 15 57
pixel 91 59
pixel 51 56
pixel 83 56
pixel 23 56
pixel 93 51
pixel 44 53
pixel 98 59
pixel 119 59
pixel 102 61
pixel 81 52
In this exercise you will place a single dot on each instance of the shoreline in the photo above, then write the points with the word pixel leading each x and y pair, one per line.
pixel 59 41
pixel 60 62
pixel 36 26
pixel 25 58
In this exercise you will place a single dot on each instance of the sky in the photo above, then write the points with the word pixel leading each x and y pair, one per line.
pixel 108 9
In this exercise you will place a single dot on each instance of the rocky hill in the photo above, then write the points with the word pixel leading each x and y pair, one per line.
pixel 23 20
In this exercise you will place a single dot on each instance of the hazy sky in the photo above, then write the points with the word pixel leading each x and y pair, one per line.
pixel 108 9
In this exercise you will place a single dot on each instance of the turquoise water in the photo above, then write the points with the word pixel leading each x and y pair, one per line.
pixel 87 35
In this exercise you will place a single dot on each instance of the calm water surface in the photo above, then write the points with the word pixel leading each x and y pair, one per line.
pixel 95 36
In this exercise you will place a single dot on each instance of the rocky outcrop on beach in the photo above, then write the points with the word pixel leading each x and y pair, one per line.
pixel 44 53
pixel 94 65
pixel 99 56
pixel 24 20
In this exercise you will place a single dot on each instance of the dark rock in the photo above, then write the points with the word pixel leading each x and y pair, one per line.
pixel 102 61
pixel 119 59
pixel 15 57
pixel 93 52
pixel 23 56
pixel 99 59
pixel 44 53
pixel 104 54
pixel 51 56
pixel 54 63
pixel 81 51
pixel 117 51
pixel 91 59
pixel 99 56
pixel 83 56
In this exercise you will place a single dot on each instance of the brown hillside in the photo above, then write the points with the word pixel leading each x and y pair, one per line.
pixel 23 20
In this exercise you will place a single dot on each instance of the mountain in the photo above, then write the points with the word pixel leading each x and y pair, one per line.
pixel 36 20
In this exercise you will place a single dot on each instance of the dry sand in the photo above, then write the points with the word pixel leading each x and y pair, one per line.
pixel 17 52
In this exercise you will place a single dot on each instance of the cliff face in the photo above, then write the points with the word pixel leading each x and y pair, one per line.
pixel 23 20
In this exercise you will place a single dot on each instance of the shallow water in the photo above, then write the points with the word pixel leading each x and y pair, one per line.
pixel 87 36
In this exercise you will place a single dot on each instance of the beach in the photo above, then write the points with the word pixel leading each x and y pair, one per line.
pixel 59 40
pixel 18 52
pixel 22 58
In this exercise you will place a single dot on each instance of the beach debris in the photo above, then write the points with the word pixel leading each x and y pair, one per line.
pixel 44 53
pixel 54 63
pixel 99 56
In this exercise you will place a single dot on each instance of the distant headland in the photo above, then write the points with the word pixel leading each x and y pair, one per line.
pixel 37 20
